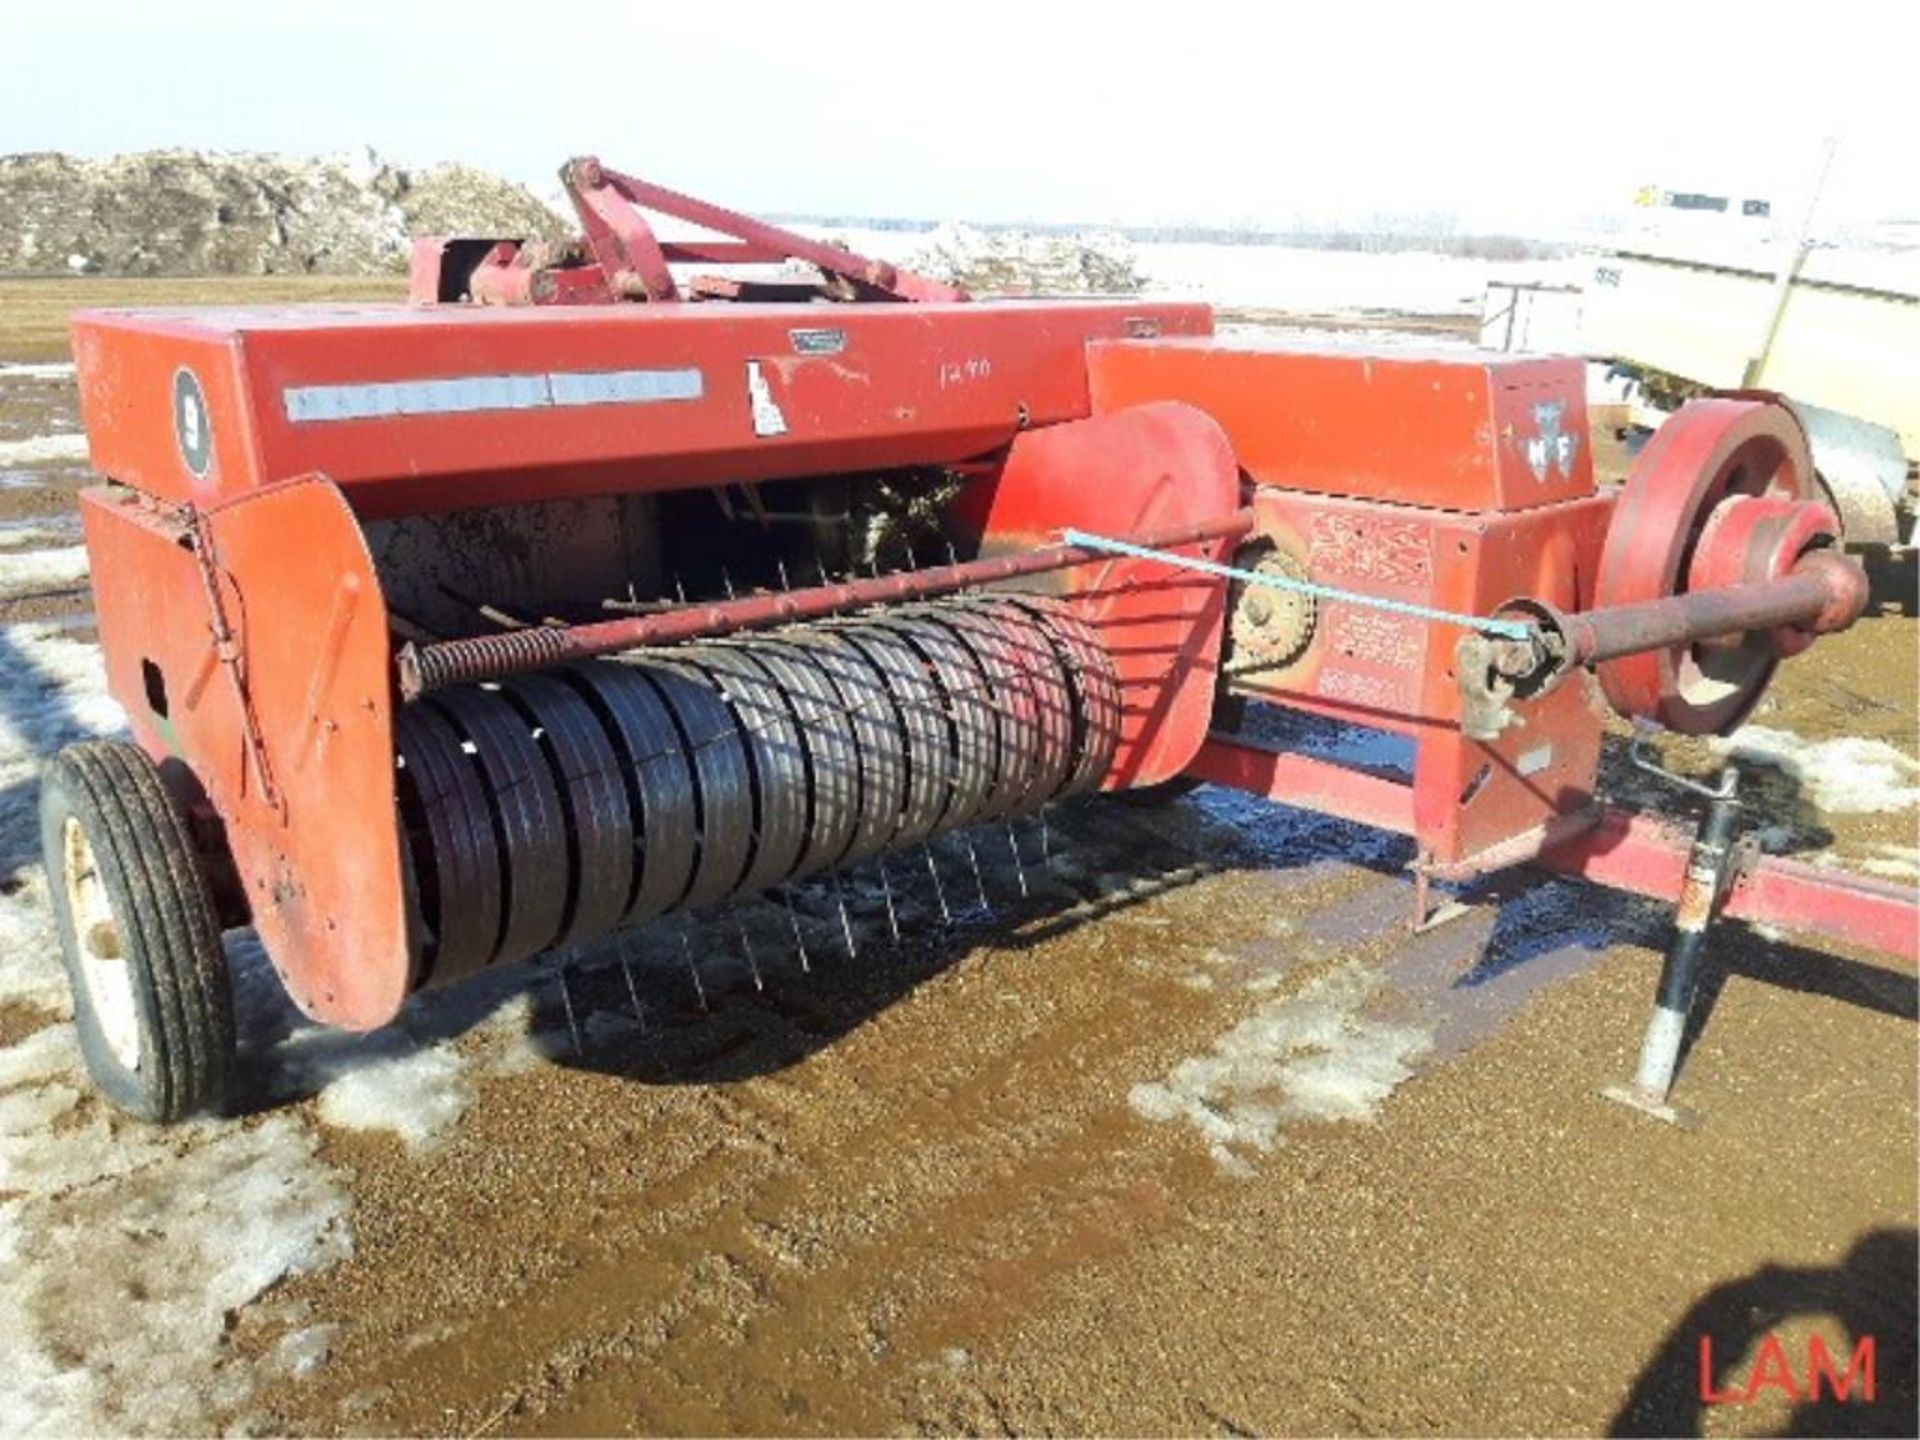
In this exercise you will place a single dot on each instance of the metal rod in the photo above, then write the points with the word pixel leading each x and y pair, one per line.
pixel 793 918
pixel 939 890
pixel 886 889
pixel 1140 549
pixel 1819 586
pixel 566 1003
pixel 693 970
pixel 423 668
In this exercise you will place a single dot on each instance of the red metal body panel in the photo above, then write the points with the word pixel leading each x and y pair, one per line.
pixel 309 815
pixel 1454 430
pixel 743 392
pixel 1395 672
pixel 1153 467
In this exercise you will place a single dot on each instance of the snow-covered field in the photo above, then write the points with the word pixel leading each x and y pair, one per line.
pixel 1263 277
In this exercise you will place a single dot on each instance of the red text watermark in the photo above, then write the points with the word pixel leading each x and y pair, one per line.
pixel 1773 1370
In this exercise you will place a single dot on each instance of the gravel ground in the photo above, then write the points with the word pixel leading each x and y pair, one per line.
pixel 1192 1138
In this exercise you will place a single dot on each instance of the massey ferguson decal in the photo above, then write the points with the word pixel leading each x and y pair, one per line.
pixel 1550 447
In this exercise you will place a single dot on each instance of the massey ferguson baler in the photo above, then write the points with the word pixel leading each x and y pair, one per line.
pixel 576 593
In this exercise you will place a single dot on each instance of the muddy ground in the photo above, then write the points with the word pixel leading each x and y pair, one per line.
pixel 1192 1137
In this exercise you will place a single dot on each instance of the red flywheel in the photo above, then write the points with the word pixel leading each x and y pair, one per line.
pixel 1722 495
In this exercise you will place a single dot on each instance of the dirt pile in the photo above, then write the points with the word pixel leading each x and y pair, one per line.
pixel 181 212
pixel 1021 262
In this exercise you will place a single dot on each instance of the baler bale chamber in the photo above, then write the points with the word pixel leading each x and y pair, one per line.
pixel 575 594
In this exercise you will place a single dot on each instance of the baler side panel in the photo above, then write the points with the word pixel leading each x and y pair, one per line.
pixel 1371 667
pixel 1152 466
pixel 293 742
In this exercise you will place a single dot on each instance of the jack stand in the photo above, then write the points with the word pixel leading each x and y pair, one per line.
pixel 1709 868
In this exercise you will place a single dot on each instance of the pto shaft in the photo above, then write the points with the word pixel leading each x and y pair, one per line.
pixel 1824 592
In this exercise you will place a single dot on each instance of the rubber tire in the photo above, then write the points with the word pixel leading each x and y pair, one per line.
pixel 159 898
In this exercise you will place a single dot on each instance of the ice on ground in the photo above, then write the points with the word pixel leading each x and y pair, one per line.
pixel 37 533
pixel 1260 277
pixel 1849 775
pixel 125 1250
pixel 1309 1055
pixel 123 1259
pixel 417 1078
pixel 1283 277
pixel 42 450
pixel 36 370
pixel 27 572
pixel 1895 862
pixel 416 1096
pixel 53 690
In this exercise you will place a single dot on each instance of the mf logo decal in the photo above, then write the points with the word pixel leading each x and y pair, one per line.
pixel 192 427
pixel 1550 448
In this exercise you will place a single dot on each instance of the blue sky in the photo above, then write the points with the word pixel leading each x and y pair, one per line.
pixel 1523 116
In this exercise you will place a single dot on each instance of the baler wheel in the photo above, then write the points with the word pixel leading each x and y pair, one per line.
pixel 776 753
pixel 599 826
pixel 1095 698
pixel 1044 671
pixel 151 996
pixel 723 783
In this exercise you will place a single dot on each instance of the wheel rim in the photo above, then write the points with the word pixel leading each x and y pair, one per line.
pixel 105 970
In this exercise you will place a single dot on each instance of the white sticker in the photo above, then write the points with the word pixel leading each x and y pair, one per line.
pixel 474 394
pixel 767 419
pixel 1533 761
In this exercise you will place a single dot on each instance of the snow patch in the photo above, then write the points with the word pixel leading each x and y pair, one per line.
pixel 35 570
pixel 42 450
pixel 122 1259
pixel 30 370
pixel 1845 776
pixel 124 1249
pixel 1896 862
pixel 40 532
pixel 53 690
pixel 1023 262
pixel 416 1096
pixel 1310 1055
